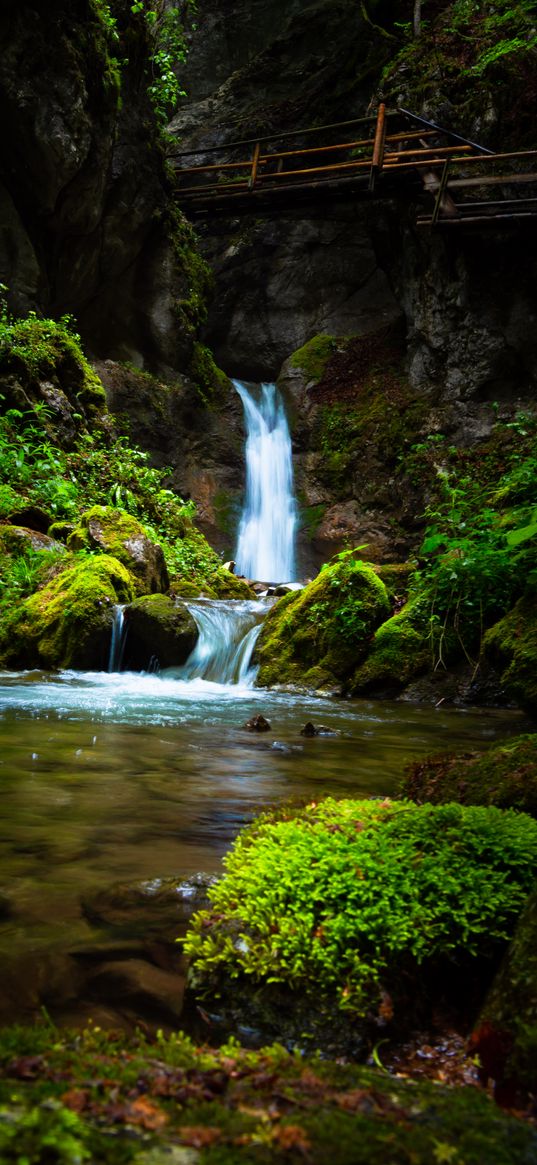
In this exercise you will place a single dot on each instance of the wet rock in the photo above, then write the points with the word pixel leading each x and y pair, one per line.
pixel 230 566
pixel 159 906
pixel 17 539
pixel 158 627
pixel 139 985
pixel 281 746
pixel 257 724
pixel 311 729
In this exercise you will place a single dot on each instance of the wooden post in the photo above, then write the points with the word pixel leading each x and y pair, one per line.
pixel 255 163
pixel 378 146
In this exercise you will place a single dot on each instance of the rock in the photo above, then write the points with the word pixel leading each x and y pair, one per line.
pixel 161 906
pixel 311 729
pixel 136 984
pixel 510 647
pixel 230 566
pixel 158 628
pixel 68 623
pixel 505 1036
pixel 257 724
pixel 16 539
pixel 505 776
pixel 119 534
pixel 316 636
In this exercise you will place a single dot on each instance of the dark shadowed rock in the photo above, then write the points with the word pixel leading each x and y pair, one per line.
pixel 257 724
pixel 158 628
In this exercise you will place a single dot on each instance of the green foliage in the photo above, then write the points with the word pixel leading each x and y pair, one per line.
pixel 213 385
pixel 34 348
pixel 48 1134
pixel 338 896
pixel 479 551
pixel 169 49
pixel 313 357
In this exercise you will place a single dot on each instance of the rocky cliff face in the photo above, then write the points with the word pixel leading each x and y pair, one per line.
pixel 459 307
pixel 84 206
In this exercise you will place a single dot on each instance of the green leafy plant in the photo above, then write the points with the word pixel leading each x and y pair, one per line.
pixel 166 29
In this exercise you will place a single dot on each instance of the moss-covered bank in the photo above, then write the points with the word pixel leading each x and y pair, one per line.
pixel 66 1098
pixel 505 776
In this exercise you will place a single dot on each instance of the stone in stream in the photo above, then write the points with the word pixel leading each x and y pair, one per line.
pixel 311 729
pixel 139 986
pixel 257 724
pixel 161 907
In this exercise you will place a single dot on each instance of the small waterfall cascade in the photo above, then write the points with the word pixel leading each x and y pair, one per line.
pixel 228 630
pixel 117 641
pixel 266 541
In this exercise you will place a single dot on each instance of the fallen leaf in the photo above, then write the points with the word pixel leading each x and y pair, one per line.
pixel 77 1099
pixel 198 1136
pixel 291 1137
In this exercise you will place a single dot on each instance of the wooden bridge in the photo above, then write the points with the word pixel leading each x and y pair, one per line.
pixel 392 153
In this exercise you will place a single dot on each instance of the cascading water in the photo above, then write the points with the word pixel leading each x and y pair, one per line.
pixel 266 542
pixel 117 641
pixel 228 630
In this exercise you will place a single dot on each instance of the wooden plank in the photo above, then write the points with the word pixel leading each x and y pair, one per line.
pixel 378 148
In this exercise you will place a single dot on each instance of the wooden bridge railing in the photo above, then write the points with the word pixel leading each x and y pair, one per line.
pixel 396 144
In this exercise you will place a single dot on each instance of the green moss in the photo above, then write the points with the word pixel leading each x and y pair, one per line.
pixel 315 636
pixel 259 1107
pixel 399 651
pixel 36 349
pixel 336 899
pixel 67 623
pixel 505 776
pixel 194 274
pixel 511 647
pixel 213 385
pixel 313 357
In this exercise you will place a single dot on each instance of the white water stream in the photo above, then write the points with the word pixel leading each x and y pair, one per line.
pixel 227 634
pixel 266 542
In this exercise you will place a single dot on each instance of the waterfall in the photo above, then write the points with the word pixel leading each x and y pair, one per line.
pixel 265 548
pixel 117 641
pixel 228 630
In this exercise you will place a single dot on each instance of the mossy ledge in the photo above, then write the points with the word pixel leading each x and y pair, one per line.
pixel 505 776
pixel 101 1097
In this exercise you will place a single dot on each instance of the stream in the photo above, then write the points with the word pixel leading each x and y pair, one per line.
pixel 114 777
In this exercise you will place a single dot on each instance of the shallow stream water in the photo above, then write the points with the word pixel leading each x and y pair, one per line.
pixel 119 777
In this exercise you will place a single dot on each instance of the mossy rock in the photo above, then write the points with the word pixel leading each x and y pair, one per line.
pixel 510 647
pixel 313 357
pixel 236 1105
pixel 317 635
pixel 117 533
pixel 399 651
pixel 505 1037
pixel 158 629
pixel 230 586
pixel 18 540
pixel 68 623
pixel 505 776
pixel 346 904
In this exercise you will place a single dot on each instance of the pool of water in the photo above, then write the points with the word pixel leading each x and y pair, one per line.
pixel 119 777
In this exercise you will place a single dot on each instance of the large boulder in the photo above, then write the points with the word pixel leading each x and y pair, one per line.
pixel 158 628
pixel 317 636
pixel 344 916
pixel 68 622
pixel 117 533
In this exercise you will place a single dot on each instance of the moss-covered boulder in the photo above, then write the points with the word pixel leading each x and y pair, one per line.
pixel 68 622
pixel 510 647
pixel 18 540
pixel 317 636
pixel 505 776
pixel 117 533
pixel 399 651
pixel 158 628
pixel 505 1037
pixel 341 916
